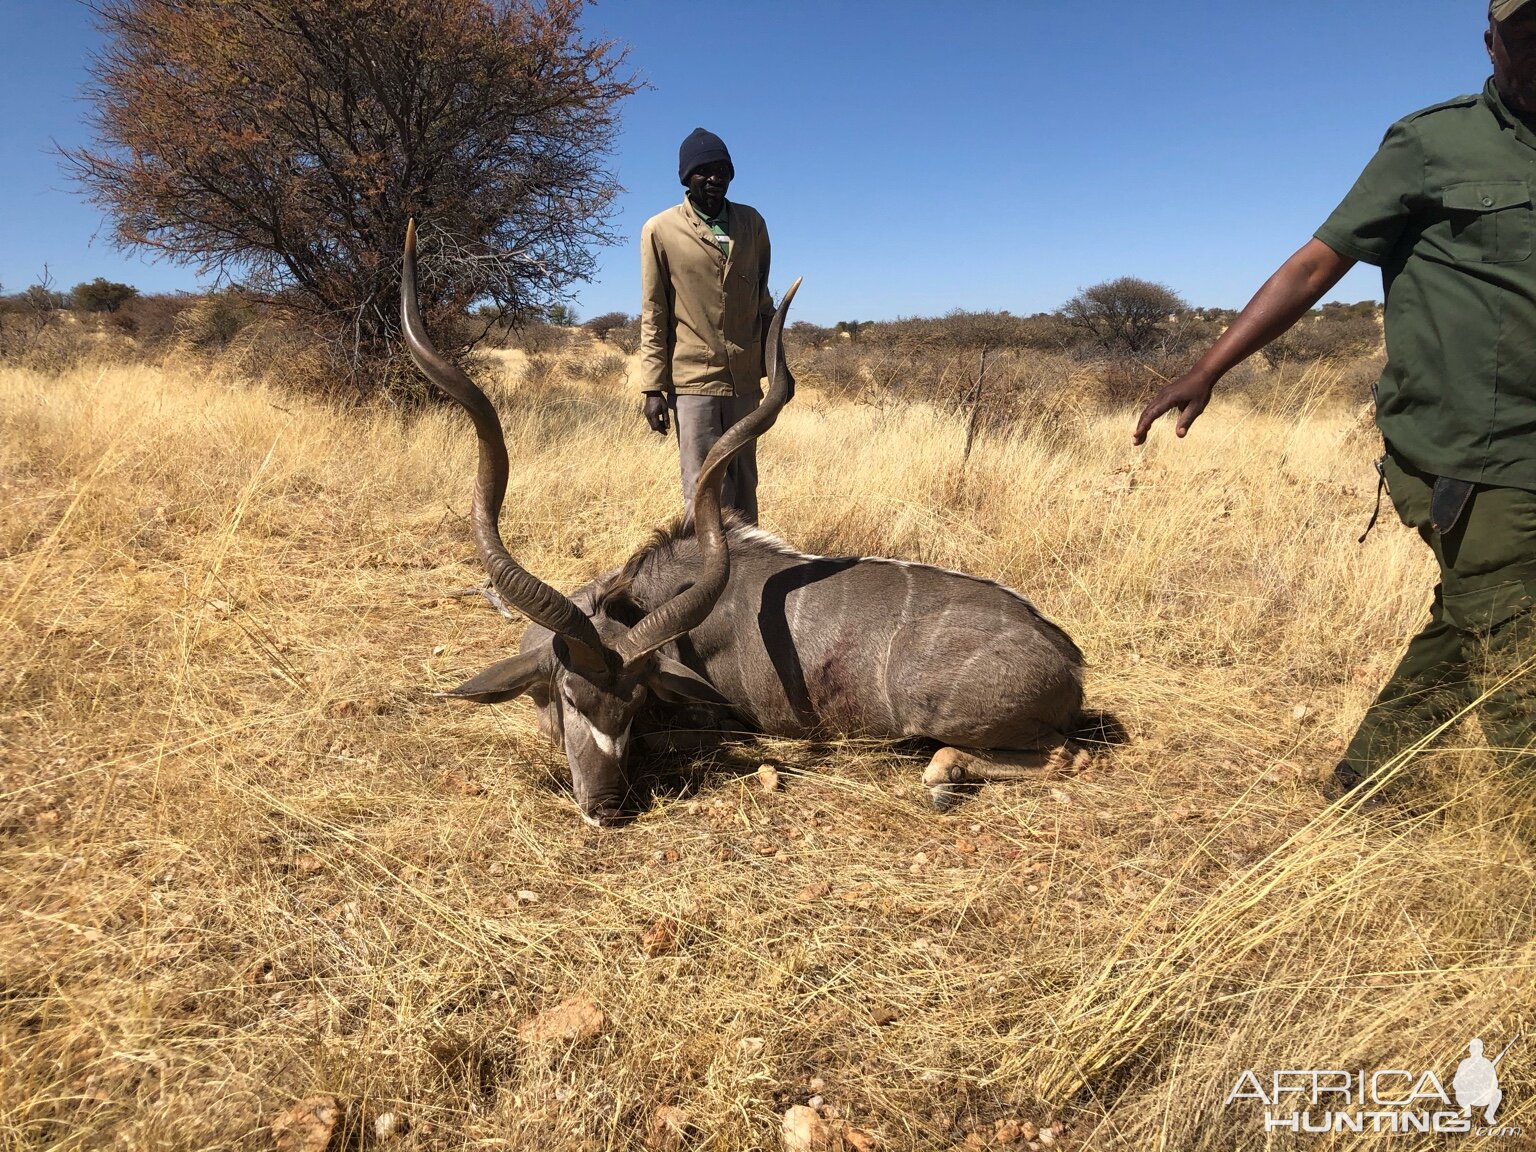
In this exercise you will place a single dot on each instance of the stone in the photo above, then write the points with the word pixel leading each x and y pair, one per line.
pixel 668 1130
pixel 308 1126
pixel 575 1021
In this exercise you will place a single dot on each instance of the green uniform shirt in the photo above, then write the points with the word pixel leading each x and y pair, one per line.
pixel 719 225
pixel 1444 208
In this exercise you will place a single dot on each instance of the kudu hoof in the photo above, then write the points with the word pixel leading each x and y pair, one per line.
pixel 943 797
pixel 946 767
pixel 943 778
pixel 607 816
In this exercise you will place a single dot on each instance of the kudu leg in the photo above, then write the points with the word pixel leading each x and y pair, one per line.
pixel 952 769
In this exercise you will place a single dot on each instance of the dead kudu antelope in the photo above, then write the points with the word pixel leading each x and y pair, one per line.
pixel 719 613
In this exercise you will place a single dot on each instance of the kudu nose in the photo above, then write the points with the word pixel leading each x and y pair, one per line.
pixel 601 787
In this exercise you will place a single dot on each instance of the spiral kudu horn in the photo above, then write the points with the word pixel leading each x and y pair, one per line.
pixel 519 587
pixel 688 609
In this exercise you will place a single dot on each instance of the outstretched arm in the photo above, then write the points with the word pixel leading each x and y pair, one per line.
pixel 1286 296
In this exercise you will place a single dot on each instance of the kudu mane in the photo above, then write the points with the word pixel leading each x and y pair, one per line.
pixel 614 593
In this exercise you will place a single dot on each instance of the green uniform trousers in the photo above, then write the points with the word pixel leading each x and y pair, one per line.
pixel 1481 630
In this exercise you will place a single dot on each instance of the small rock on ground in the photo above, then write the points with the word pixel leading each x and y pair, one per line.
pixel 307 1126
pixel 574 1020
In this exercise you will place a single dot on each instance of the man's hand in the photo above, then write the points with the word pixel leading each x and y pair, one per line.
pixel 1189 394
pixel 1298 284
pixel 656 412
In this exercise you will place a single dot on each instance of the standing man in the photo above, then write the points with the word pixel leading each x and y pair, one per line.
pixel 704 313
pixel 1445 210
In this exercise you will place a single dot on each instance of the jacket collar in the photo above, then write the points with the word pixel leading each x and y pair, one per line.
pixel 705 236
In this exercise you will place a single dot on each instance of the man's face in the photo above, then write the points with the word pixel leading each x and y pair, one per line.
pixel 707 184
pixel 1512 48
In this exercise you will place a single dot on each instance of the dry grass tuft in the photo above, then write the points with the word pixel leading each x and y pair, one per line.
pixel 246 860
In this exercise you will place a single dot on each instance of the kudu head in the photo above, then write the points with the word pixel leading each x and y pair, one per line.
pixel 598 670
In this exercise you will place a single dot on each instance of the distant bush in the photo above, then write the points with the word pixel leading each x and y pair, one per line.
pixel 804 334
pixel 1127 315
pixel 832 366
pixel 617 328
pixel 213 321
pixel 540 369
pixel 1199 329
pixel 32 331
pixel 122 322
pixel 152 319
pixel 40 298
pixel 536 336
pixel 1123 379
pixel 957 329
pixel 53 348
pixel 1048 332
pixel 600 326
pixel 1328 335
pixel 284 352
pixel 102 295
pixel 1336 309
pixel 626 338
pixel 1034 365
pixel 35 331
pixel 601 368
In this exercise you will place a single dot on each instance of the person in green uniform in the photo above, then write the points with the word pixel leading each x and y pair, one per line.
pixel 1445 209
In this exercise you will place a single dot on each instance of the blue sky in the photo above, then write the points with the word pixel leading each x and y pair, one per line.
pixel 911 158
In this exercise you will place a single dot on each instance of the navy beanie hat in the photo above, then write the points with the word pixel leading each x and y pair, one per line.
pixel 699 149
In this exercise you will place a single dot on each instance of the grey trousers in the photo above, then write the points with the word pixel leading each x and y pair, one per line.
pixel 700 421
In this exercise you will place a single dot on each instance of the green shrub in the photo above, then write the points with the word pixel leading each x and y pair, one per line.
pixel 102 295
pixel 210 323
pixel 1329 335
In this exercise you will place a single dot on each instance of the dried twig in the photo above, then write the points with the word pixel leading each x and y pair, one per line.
pixel 973 400
pixel 488 590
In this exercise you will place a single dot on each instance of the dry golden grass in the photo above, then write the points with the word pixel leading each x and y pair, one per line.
pixel 246 858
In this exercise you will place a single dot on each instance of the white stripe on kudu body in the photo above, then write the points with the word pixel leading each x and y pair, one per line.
pixel 748 534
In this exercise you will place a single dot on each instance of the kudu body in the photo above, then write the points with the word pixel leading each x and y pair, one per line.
pixel 718 613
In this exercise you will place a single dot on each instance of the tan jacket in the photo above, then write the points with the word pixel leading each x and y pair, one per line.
pixel 703 317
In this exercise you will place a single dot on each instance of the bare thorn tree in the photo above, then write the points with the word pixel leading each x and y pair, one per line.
pixel 1127 314
pixel 284 144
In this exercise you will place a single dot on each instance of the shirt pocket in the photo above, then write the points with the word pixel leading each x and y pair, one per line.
pixel 1490 220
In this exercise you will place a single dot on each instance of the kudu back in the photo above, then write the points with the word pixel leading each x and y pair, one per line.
pixel 716 613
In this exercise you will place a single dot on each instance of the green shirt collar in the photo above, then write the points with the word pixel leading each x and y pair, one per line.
pixel 723 220
pixel 1507 118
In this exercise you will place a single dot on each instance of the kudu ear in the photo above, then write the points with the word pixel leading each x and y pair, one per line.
pixel 504 681
pixel 676 683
